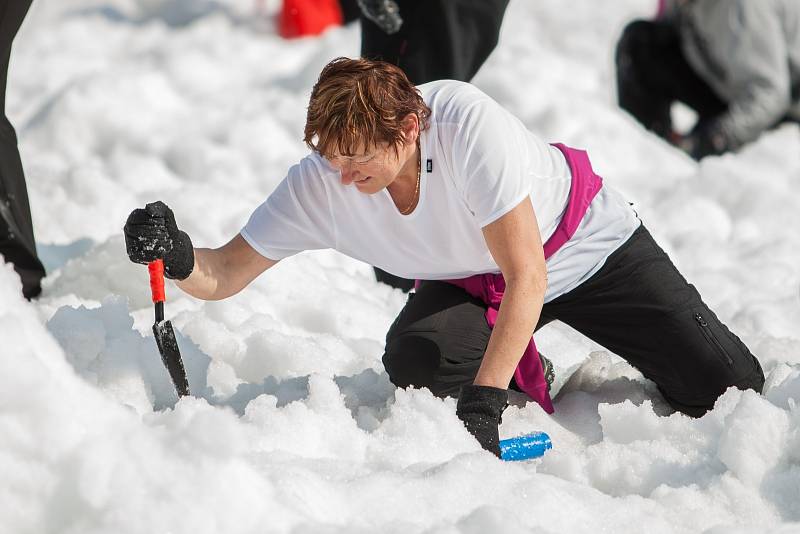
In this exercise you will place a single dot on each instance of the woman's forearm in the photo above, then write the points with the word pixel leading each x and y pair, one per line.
pixel 519 312
pixel 207 280
pixel 221 272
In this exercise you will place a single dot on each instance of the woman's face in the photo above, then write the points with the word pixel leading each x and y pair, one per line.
pixel 369 170
pixel 375 167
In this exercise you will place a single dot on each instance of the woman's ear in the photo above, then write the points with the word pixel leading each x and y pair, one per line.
pixel 410 128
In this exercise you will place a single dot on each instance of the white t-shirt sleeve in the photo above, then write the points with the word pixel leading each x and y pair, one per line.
pixel 295 217
pixel 488 159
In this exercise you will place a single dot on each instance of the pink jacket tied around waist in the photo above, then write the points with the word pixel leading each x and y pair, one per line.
pixel 489 287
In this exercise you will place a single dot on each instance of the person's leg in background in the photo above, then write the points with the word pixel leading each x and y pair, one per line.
pixel 439 39
pixel 350 11
pixel 641 308
pixel 652 74
pixel 17 242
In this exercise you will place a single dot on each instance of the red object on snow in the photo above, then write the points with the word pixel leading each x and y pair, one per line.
pixel 299 18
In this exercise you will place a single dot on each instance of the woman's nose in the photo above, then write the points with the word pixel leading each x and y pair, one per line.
pixel 346 169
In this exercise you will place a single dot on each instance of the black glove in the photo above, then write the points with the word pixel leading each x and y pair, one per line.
pixel 151 233
pixel 707 138
pixel 481 408
pixel 384 13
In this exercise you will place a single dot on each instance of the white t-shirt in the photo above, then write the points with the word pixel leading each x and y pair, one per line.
pixel 478 163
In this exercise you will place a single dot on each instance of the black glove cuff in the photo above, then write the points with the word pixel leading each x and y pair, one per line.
pixel 179 262
pixel 484 400
pixel 709 138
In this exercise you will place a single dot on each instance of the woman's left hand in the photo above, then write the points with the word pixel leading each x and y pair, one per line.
pixel 481 409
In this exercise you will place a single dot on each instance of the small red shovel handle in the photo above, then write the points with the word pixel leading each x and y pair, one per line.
pixel 156 269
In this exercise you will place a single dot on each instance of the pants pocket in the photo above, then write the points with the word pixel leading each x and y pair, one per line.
pixel 706 358
pixel 734 361
pixel 702 323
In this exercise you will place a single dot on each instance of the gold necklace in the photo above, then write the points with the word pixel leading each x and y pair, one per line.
pixel 413 202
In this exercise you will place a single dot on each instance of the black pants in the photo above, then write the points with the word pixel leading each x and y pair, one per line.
pixel 17 243
pixel 652 74
pixel 350 10
pixel 638 306
pixel 439 40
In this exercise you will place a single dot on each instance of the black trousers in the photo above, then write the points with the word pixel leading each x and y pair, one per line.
pixel 652 74
pixel 17 243
pixel 637 305
pixel 350 10
pixel 439 40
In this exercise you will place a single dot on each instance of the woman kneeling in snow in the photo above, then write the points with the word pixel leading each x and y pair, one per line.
pixel 440 184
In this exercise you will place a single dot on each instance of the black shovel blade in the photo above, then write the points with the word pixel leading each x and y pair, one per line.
pixel 171 356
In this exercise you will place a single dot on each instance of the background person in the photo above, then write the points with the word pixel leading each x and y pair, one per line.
pixel 735 62
pixel 17 243
pixel 432 40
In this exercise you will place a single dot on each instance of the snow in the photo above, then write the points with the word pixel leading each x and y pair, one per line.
pixel 294 426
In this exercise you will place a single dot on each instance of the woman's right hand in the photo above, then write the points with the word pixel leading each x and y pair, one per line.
pixel 151 233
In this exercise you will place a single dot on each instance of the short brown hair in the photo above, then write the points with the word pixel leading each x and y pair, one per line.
pixel 359 102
